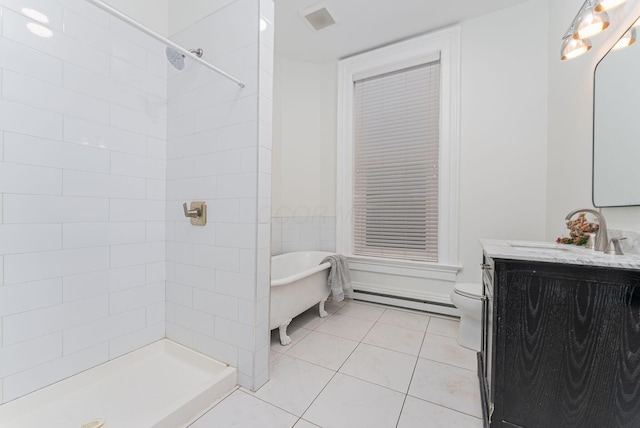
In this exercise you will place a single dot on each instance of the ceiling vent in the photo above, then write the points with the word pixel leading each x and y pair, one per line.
pixel 319 19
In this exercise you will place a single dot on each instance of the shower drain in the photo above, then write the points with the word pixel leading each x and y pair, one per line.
pixel 95 423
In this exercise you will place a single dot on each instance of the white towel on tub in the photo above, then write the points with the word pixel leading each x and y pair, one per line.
pixel 339 278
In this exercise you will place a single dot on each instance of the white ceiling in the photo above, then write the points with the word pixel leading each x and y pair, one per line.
pixel 365 24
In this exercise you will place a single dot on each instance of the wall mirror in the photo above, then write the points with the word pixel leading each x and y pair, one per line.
pixel 616 129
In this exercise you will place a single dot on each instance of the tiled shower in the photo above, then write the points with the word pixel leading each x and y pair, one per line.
pixel 101 143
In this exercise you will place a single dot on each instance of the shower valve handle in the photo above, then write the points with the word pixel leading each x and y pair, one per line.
pixel 195 213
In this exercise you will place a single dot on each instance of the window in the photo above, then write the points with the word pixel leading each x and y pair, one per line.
pixel 395 185
pixel 397 146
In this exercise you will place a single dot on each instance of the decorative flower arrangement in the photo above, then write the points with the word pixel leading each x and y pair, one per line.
pixel 579 230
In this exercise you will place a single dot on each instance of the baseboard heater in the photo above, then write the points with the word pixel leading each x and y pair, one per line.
pixel 406 303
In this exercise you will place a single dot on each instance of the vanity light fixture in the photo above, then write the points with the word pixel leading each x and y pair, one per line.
pixel 627 39
pixel 607 4
pixel 591 19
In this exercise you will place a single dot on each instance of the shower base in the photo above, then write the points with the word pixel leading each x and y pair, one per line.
pixel 163 385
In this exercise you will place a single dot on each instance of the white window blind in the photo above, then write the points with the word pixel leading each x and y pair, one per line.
pixel 396 136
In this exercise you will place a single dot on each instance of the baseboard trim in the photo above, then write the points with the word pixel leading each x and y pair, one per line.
pixel 407 303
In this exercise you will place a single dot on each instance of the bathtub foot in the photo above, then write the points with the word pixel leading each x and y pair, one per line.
pixel 284 339
pixel 323 313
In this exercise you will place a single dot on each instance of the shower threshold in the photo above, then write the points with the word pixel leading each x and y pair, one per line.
pixel 163 385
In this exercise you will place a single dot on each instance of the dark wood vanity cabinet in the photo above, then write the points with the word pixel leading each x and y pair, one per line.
pixel 561 345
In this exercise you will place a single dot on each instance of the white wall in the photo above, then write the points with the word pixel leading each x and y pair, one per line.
pixel 82 179
pixel 183 14
pixel 168 17
pixel 571 119
pixel 304 140
pixel 152 13
pixel 503 130
pixel 315 233
pixel 218 275
pixel 304 162
pixel 503 133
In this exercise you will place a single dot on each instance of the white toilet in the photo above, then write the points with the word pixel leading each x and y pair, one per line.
pixel 467 297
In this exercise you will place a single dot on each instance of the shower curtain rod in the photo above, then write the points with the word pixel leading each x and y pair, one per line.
pixel 115 12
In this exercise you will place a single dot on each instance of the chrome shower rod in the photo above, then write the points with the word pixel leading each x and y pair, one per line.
pixel 115 12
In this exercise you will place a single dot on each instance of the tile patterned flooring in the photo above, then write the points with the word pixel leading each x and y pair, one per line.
pixel 364 366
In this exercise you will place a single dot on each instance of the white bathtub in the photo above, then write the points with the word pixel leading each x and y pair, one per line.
pixel 298 281
pixel 163 385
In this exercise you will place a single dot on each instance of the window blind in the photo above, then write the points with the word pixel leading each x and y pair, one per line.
pixel 396 140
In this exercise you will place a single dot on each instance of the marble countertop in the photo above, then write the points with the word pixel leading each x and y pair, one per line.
pixel 556 253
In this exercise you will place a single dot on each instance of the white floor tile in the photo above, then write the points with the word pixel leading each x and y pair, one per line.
pixel 352 403
pixel 443 327
pixel 304 424
pixel 323 349
pixel 395 338
pixel 422 414
pixel 446 350
pixel 294 384
pixel 375 372
pixel 333 307
pixel 309 319
pixel 447 385
pixel 273 356
pixel 381 366
pixel 240 410
pixel 405 319
pixel 362 310
pixel 346 326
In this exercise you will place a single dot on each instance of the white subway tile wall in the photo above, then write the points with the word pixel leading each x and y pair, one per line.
pixel 95 163
pixel 214 149
pixel 83 122
pixel 310 233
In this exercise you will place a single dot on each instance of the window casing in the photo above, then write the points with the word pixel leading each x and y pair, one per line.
pixel 397 153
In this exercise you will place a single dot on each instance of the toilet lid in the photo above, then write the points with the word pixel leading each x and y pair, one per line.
pixel 469 289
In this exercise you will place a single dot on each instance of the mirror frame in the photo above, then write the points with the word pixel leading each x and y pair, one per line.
pixel 635 201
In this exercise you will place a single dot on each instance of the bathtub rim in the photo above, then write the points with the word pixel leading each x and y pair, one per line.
pixel 302 274
pixel 295 277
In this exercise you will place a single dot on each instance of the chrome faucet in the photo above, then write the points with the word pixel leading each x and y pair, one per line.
pixel 602 238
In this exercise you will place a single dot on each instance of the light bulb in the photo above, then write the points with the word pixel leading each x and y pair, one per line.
pixel 607 4
pixel 589 23
pixel 572 48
